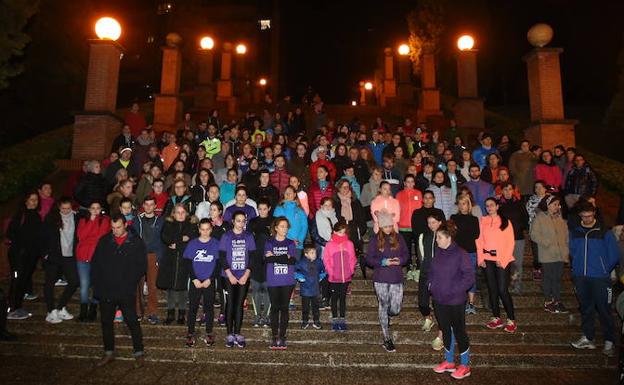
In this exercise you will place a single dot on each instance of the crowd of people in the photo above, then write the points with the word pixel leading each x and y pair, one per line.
pixel 215 209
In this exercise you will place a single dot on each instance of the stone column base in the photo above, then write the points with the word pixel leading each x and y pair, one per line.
pixel 406 93
pixel 167 112
pixel 548 134
pixel 93 135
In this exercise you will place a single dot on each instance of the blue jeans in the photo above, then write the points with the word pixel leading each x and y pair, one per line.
pixel 84 273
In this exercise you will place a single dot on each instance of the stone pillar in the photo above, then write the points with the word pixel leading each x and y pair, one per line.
pixel 362 94
pixel 405 89
pixel 468 110
pixel 168 105
pixel 96 127
pixel 429 101
pixel 548 125
pixel 205 91
pixel 389 82
pixel 225 88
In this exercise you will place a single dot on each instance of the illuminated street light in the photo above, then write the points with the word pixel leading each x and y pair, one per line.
pixel 353 103
pixel 241 49
pixel 465 43
pixel 206 42
pixel 107 28
pixel 262 82
pixel 404 50
pixel 368 86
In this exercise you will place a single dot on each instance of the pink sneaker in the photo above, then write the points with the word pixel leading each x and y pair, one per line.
pixel 445 367
pixel 511 326
pixel 495 323
pixel 461 372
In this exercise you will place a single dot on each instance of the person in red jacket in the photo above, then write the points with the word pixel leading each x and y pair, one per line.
pixel 320 189
pixel 323 161
pixel 90 229
pixel 280 178
pixel 548 171
pixel 135 120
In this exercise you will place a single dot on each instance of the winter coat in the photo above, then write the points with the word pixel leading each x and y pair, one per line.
pixel 444 199
pixel 331 168
pixel 339 259
pixel 261 230
pixel 551 174
pixel 419 220
pixel 297 219
pixel 467 231
pixel 91 188
pixel 116 270
pixel 481 190
pixel 491 237
pixel 25 231
pixel 300 168
pixel 111 171
pixel 376 259
pixel 174 269
pixel 357 226
pixel 174 200
pixel 521 165
pixel 310 272
pixel 409 201
pixel 369 192
pixel 594 251
pixel 317 194
pixel 514 211
pixel 89 233
pixel 321 227
pixel 51 242
pixel 551 235
pixel 480 155
pixel 155 244
pixel 280 179
pixel 451 275
pixel 581 181
pixel 532 207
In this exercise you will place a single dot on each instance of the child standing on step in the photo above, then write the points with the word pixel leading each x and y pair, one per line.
pixel 339 259
pixel 387 254
pixel 309 271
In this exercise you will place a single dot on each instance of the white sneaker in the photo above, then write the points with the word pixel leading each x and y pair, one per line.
pixel 19 314
pixel 608 349
pixel 60 282
pixel 64 315
pixel 427 325
pixel 437 344
pixel 53 317
pixel 145 290
pixel 584 343
pixel 30 297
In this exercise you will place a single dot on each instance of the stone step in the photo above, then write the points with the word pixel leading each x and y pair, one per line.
pixel 357 334
pixel 305 354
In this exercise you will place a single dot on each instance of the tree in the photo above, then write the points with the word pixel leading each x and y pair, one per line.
pixel 426 25
pixel 615 113
pixel 14 16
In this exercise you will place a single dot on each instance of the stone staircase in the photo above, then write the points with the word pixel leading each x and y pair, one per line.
pixel 541 346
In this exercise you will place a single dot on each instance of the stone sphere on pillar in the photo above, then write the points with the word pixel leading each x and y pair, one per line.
pixel 388 51
pixel 540 35
pixel 173 39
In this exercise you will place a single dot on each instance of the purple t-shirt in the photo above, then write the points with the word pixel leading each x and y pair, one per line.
pixel 280 274
pixel 204 257
pixel 248 210
pixel 237 248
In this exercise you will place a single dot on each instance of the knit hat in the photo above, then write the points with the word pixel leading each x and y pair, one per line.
pixel 385 218
pixel 125 149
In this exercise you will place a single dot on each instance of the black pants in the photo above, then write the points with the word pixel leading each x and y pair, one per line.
pixel 424 298
pixel 220 291
pixel 280 298
pixel 338 299
pixel 67 267
pixel 325 291
pixel 306 303
pixel 195 295
pixel 107 315
pixel 408 237
pixel 234 299
pixel 535 252
pixel 4 305
pixel 498 287
pixel 452 321
pixel 22 266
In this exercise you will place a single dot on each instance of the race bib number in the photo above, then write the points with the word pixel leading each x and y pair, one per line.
pixel 280 269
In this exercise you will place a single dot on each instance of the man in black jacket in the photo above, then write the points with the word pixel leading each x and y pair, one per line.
pixel 119 262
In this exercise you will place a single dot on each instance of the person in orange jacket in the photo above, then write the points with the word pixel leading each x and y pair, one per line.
pixel 495 247
pixel 410 199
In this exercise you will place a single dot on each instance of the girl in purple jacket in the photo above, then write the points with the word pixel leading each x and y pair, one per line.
pixel 450 277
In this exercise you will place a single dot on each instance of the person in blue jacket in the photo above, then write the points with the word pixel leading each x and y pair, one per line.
pixel 481 153
pixel 309 271
pixel 377 146
pixel 594 253
pixel 290 208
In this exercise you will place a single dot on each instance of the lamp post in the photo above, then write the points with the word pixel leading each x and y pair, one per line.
pixel 205 94
pixel 241 77
pixel 225 89
pixel 429 100
pixel 168 105
pixel 260 90
pixel 96 126
pixel 405 89
pixel 468 110
pixel 364 87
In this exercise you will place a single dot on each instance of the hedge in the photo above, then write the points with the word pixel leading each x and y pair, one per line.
pixel 24 165
pixel 609 171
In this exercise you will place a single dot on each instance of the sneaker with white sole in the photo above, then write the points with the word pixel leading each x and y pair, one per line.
pixel 583 343
pixel 53 317
pixel 608 349
pixel 427 325
pixel 19 314
pixel 30 297
pixel 64 314
pixel 437 344
pixel 60 282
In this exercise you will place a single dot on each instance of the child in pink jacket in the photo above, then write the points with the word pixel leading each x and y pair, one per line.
pixel 339 259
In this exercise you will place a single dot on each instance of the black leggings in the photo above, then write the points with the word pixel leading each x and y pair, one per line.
pixel 23 266
pixel 325 291
pixel 452 321
pixel 234 299
pixel 424 298
pixel 66 266
pixel 338 298
pixel 195 295
pixel 408 237
pixel 498 283
pixel 534 250
pixel 280 299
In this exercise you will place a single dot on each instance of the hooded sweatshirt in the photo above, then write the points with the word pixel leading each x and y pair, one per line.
pixel 451 275
pixel 377 260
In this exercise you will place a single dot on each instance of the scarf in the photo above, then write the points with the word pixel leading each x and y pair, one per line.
pixel 345 206
pixel 325 221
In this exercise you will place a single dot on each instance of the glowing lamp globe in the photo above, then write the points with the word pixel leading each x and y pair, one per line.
pixel 403 49
pixel 353 103
pixel 241 49
pixel 206 42
pixel 465 43
pixel 368 86
pixel 107 28
pixel 540 35
pixel 262 82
